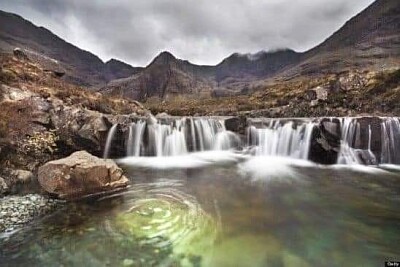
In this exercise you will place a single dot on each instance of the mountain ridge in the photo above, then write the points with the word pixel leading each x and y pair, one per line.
pixel 80 66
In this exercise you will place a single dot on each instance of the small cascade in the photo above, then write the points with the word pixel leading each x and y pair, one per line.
pixel 176 137
pixel 279 138
pixel 110 138
pixel 390 138
pixel 135 136
pixel 351 149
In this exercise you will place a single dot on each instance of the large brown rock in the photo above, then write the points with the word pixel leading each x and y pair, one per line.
pixel 79 175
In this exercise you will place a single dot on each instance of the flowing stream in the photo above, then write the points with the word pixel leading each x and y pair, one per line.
pixel 202 195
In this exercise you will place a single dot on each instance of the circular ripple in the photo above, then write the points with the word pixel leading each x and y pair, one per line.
pixel 160 215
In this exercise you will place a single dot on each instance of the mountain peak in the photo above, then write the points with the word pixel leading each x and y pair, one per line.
pixel 164 58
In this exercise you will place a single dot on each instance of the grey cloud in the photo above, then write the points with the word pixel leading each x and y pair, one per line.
pixel 203 32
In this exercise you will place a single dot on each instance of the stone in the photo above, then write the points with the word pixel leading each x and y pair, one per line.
pixel 3 186
pixel 19 53
pixel 79 175
pixel 14 94
pixel 128 262
pixel 162 115
pixel 23 176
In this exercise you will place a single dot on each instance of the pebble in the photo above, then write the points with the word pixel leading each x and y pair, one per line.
pixel 16 211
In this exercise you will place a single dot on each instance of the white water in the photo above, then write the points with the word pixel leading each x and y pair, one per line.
pixel 109 140
pixel 178 137
pixel 390 138
pixel 282 139
pixel 276 137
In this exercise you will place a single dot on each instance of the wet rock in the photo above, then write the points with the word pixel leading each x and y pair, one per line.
pixel 128 262
pixel 79 175
pixel 236 124
pixel 325 142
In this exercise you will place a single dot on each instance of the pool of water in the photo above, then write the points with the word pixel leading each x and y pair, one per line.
pixel 223 209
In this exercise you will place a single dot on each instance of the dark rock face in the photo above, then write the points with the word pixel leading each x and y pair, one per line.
pixel 325 142
pixel 236 124
pixel 79 175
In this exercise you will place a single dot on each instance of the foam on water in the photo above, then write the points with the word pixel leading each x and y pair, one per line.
pixel 192 160
pixel 267 168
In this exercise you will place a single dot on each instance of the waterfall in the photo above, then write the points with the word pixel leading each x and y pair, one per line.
pixel 135 137
pixel 176 137
pixel 363 140
pixel 282 139
pixel 390 139
pixel 109 140
pixel 350 149
pixel 347 154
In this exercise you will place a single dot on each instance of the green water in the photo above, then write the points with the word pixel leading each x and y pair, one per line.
pixel 222 215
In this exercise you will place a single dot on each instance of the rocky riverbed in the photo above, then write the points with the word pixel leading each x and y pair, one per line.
pixel 16 211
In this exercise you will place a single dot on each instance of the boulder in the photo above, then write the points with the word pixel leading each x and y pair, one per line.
pixel 79 175
pixel 80 129
pixel 19 53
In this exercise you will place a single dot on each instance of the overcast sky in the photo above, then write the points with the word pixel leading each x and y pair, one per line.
pixel 201 31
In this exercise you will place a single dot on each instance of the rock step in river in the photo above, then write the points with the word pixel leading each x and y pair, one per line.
pixel 331 140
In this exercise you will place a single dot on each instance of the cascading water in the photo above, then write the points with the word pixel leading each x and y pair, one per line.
pixel 109 140
pixel 282 139
pixel 177 137
pixel 364 140
pixel 390 138
pixel 135 136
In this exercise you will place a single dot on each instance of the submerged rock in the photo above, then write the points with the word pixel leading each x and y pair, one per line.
pixel 79 175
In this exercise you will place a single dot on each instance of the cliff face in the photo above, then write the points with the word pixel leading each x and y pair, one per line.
pixel 81 67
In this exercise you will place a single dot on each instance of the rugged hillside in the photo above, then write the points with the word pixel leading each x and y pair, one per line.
pixel 116 69
pixel 370 40
pixel 41 45
pixel 165 76
pixel 252 66
pixel 43 117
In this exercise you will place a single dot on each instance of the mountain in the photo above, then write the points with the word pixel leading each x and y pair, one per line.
pixel 163 77
pixel 166 75
pixel 117 69
pixel 261 64
pixel 369 40
pixel 80 66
